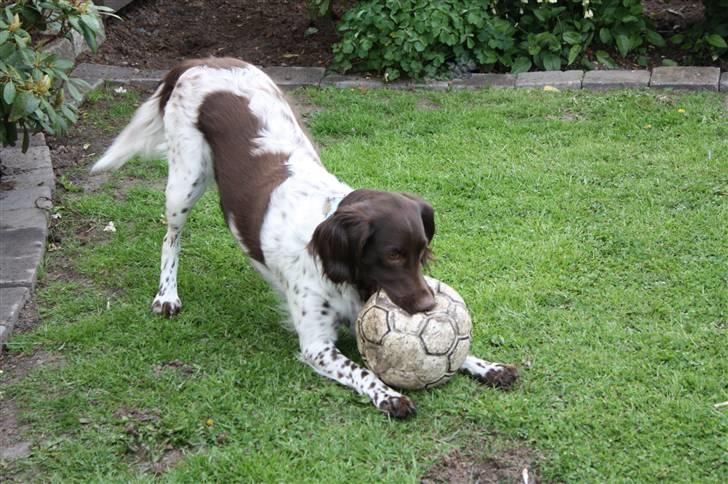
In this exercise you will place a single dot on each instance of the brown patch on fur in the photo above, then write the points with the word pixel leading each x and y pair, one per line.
pixel 245 181
pixel 170 80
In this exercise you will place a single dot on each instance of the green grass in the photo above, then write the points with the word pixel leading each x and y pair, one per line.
pixel 587 232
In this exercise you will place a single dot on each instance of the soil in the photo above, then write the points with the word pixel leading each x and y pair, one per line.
pixel 156 34
pixel 515 465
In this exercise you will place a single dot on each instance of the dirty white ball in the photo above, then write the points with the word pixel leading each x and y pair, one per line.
pixel 419 350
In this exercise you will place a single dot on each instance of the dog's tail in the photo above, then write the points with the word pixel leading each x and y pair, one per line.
pixel 144 136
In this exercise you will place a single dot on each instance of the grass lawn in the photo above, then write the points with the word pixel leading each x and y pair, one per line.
pixel 586 231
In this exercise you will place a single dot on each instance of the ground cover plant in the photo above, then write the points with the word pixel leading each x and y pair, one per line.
pixel 586 231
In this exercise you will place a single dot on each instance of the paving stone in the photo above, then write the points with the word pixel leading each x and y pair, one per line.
pixel 115 4
pixel 35 197
pixel 350 82
pixel 690 78
pixel 30 179
pixel 23 219
pixel 122 75
pixel 482 81
pixel 37 139
pixel 22 251
pixel 724 82
pixel 557 79
pixel 292 77
pixel 36 157
pixel 15 452
pixel 12 300
pixel 430 85
pixel 63 48
pixel 616 79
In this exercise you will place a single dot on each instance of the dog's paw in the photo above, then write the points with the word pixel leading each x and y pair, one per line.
pixel 502 376
pixel 166 307
pixel 397 407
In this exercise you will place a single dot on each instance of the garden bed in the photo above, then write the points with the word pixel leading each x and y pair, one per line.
pixel 158 33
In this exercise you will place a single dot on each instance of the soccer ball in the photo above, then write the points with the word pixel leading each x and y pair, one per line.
pixel 414 351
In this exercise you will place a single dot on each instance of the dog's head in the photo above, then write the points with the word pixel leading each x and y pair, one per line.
pixel 379 240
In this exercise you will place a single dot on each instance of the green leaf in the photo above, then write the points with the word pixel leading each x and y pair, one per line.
pixel 669 62
pixel 573 53
pixel 9 92
pixel 521 64
pixel 716 41
pixel 655 39
pixel 572 37
pixel 603 58
pixel 605 35
pixel 623 44
pixel 4 36
pixel 63 64
pixel 551 61
pixel 24 104
pixel 677 39
pixel 73 91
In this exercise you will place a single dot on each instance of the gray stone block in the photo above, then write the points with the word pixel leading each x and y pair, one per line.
pixel 37 139
pixel 724 82
pixel 35 197
pixel 12 300
pixel 23 219
pixel 429 85
pixel 690 78
pixel 36 157
pixel 122 75
pixel 557 79
pixel 63 48
pixel 21 254
pixel 350 82
pixel 30 179
pixel 616 79
pixel 482 81
pixel 17 451
pixel 292 77
pixel 115 4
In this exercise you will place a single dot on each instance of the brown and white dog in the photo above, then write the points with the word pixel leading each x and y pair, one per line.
pixel 323 246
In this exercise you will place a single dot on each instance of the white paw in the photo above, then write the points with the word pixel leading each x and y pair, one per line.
pixel 167 305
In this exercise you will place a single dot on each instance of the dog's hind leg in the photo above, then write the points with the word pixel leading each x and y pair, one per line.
pixel 189 173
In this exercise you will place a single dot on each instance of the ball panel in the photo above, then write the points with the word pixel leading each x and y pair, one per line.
pixel 461 318
pixel 438 334
pixel 443 379
pixel 373 323
pixel 398 359
pixel 432 369
pixel 459 353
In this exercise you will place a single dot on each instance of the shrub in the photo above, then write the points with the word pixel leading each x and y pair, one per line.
pixel 708 38
pixel 32 82
pixel 428 38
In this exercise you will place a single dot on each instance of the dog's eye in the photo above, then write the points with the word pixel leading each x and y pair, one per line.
pixel 395 256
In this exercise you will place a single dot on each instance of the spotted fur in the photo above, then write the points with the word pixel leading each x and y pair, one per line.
pixel 308 234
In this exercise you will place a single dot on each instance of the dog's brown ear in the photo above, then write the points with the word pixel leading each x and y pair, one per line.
pixel 427 213
pixel 339 242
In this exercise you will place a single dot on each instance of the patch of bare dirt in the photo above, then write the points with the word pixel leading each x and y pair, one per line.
pixel 151 446
pixel 515 465
pixel 157 34
pixel 175 365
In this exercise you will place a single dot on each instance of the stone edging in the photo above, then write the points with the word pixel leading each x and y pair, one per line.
pixel 24 209
pixel 686 78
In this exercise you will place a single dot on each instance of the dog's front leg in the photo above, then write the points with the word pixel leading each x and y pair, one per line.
pixel 494 374
pixel 321 354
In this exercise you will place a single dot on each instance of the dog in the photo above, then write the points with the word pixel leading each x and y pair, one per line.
pixel 322 245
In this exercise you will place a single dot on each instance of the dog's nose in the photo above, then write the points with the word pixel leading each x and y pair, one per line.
pixel 424 303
